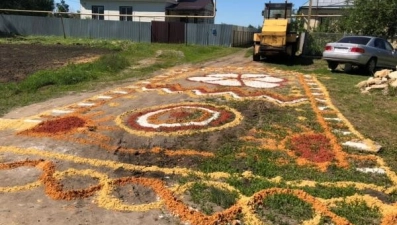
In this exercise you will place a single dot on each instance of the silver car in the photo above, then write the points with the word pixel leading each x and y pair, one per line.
pixel 363 51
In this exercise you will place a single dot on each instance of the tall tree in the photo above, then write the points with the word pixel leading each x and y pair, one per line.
pixel 62 6
pixel 375 17
pixel 10 4
pixel 40 5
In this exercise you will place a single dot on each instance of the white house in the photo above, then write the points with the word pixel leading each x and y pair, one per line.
pixel 125 10
pixel 196 11
pixel 324 8
pixel 141 10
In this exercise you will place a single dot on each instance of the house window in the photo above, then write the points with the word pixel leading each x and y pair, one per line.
pixel 125 13
pixel 98 9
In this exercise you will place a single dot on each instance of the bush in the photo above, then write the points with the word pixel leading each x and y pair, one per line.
pixel 111 63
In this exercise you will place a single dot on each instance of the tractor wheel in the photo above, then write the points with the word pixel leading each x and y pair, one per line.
pixel 256 56
pixel 292 57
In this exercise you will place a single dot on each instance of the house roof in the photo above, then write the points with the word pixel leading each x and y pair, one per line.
pixel 190 5
pixel 328 4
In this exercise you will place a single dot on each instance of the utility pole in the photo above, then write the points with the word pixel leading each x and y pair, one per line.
pixel 309 15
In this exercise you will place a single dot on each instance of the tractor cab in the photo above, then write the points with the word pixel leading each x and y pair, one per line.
pixel 275 37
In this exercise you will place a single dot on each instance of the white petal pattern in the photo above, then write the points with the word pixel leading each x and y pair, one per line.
pixel 144 119
pixel 260 84
pixel 204 79
pixel 236 80
pixel 251 75
pixel 226 82
pixel 225 75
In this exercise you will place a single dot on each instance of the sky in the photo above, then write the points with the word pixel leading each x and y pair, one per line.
pixel 236 12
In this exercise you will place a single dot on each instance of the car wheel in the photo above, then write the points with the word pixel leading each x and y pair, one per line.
pixel 371 66
pixel 348 68
pixel 332 65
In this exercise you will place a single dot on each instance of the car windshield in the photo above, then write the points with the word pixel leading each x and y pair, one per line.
pixel 355 40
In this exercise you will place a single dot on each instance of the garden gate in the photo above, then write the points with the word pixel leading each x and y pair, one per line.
pixel 168 32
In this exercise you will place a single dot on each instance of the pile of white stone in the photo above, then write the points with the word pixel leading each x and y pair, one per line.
pixel 383 79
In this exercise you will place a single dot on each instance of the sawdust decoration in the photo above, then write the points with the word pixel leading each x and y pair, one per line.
pixel 179 119
pixel 59 125
pixel 313 147
pixel 230 93
pixel 188 118
pixel 240 80
pixel 168 196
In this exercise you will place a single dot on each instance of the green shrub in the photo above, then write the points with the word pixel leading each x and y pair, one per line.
pixel 111 63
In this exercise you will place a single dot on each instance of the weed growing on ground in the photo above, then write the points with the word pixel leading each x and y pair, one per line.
pixel 207 197
pixel 248 187
pixel 330 192
pixel 285 209
pixel 358 212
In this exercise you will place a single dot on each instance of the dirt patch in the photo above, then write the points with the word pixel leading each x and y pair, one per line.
pixel 134 194
pixel 8 176
pixel 19 61
pixel 77 182
pixel 161 160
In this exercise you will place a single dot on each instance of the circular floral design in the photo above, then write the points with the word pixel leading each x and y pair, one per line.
pixel 183 116
pixel 240 80
pixel 179 119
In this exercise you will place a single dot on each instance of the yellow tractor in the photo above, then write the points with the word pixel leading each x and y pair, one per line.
pixel 276 37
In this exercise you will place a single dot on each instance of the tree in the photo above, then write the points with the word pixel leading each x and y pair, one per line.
pixel 376 17
pixel 328 25
pixel 38 5
pixel 62 7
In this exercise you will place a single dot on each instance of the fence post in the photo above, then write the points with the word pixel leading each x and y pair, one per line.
pixel 232 42
pixel 140 30
pixel 63 28
pixel 186 26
